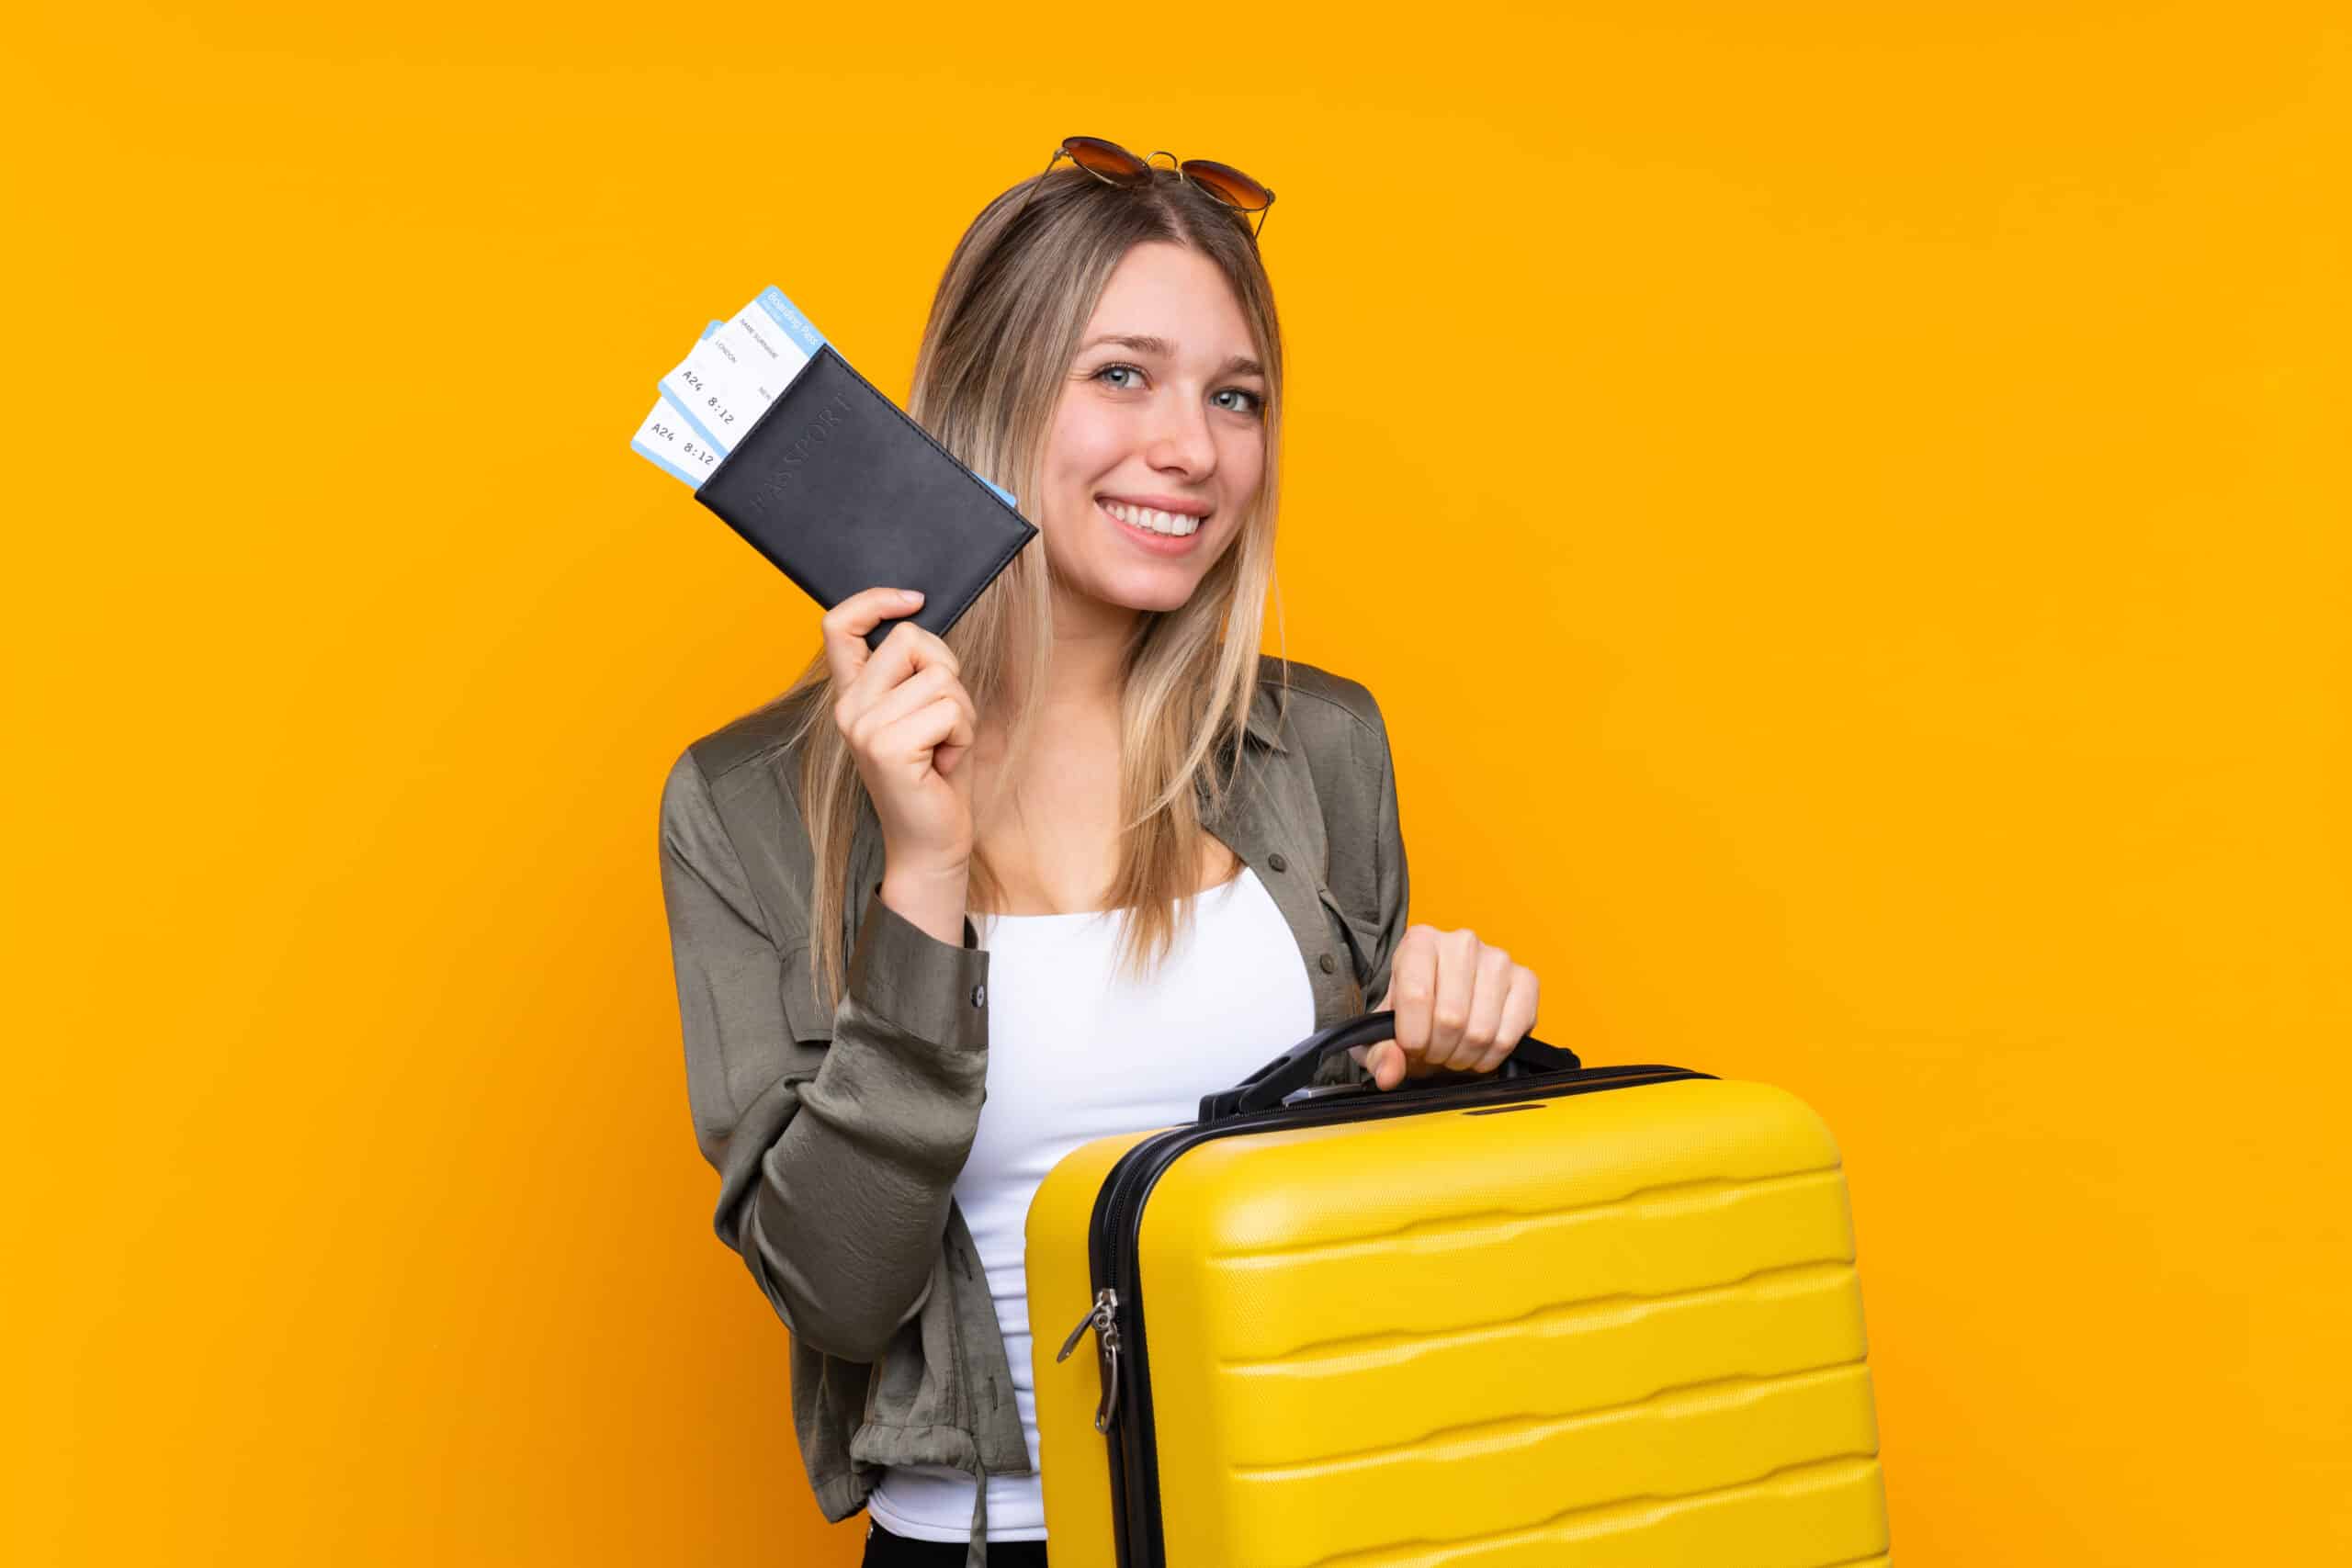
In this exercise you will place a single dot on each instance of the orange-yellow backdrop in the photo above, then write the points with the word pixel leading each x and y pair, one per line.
pixel 1844 506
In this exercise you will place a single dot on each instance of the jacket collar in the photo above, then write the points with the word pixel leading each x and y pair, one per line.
pixel 1265 722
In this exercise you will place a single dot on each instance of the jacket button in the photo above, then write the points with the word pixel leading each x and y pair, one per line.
pixel 1328 965
pixel 979 995
pixel 1278 862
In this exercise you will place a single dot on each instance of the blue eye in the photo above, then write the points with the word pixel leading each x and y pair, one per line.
pixel 1256 404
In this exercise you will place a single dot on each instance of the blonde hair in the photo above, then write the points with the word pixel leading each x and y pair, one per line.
pixel 1006 323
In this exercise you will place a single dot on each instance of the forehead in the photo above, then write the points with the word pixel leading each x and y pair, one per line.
pixel 1172 292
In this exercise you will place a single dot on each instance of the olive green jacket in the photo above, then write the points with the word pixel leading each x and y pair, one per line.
pixel 837 1135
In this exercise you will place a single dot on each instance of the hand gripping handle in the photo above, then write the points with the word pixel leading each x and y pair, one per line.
pixel 1267 1087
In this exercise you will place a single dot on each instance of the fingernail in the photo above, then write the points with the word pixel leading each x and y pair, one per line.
pixel 909 595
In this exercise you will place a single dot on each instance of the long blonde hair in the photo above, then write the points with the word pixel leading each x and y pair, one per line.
pixel 1006 323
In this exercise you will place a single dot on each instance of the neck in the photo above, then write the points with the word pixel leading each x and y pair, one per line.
pixel 1090 640
pixel 1082 687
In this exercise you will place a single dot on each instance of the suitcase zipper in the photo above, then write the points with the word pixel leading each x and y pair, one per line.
pixel 1103 1318
pixel 1135 1474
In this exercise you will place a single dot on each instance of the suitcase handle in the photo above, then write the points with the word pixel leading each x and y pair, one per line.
pixel 1266 1088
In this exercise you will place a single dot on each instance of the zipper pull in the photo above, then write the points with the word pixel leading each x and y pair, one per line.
pixel 1103 1318
pixel 1098 1317
pixel 1110 1405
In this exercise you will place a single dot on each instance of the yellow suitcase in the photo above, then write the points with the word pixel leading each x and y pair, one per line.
pixel 1605 1317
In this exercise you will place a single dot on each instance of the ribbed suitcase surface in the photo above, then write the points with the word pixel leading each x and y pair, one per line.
pixel 1569 1320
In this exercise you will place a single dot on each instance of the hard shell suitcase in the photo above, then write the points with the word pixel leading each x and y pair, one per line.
pixel 1605 1317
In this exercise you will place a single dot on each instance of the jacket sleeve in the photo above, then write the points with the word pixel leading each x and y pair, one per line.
pixel 836 1161
pixel 1391 884
pixel 1393 879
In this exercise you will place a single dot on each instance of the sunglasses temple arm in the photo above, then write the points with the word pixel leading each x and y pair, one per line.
pixel 1059 153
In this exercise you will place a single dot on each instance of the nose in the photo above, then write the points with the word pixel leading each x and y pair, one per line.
pixel 1180 441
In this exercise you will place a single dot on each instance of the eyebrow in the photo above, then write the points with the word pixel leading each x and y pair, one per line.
pixel 1240 363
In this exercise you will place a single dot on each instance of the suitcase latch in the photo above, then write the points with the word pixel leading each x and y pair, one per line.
pixel 1103 1318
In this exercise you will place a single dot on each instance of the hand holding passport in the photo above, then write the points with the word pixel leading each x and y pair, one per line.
pixel 823 474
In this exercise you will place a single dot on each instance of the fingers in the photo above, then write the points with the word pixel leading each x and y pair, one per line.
pixel 846 624
pixel 1412 986
pixel 917 692
pixel 908 648
pixel 942 722
pixel 1412 989
pixel 1517 1016
pixel 1457 984
pixel 1382 1060
pixel 910 669
pixel 924 747
pixel 1489 990
pixel 1461 1006
pixel 913 737
pixel 902 704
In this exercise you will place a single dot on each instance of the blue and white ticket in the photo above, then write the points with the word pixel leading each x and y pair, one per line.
pixel 726 382
pixel 728 378
pixel 713 391
pixel 664 439
pixel 772 337
pixel 670 444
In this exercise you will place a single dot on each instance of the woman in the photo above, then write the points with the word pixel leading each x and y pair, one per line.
pixel 946 910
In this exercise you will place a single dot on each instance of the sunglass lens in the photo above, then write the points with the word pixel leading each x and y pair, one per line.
pixel 1107 159
pixel 1227 184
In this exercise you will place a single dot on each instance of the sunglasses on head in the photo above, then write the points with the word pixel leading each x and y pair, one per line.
pixel 1113 164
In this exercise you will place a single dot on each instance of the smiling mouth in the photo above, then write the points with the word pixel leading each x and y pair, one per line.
pixel 1167 524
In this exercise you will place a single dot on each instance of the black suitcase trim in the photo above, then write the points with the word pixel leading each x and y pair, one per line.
pixel 1115 1230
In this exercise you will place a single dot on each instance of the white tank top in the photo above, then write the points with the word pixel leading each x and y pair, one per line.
pixel 1075 1055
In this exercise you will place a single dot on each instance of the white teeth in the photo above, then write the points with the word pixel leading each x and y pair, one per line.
pixel 1176 524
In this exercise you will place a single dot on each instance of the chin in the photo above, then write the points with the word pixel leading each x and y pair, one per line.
pixel 1157 596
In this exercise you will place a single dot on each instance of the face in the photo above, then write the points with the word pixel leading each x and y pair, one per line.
pixel 1168 422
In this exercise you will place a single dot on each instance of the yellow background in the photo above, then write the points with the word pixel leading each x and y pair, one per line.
pixel 1844 506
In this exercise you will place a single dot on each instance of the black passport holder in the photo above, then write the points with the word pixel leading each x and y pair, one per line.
pixel 842 491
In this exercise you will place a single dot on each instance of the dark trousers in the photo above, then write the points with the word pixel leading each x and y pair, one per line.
pixel 884 1549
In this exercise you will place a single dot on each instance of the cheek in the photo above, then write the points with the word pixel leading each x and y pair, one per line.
pixel 1085 444
pixel 1241 460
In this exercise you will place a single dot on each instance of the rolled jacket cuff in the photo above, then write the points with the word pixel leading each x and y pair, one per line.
pixel 917 982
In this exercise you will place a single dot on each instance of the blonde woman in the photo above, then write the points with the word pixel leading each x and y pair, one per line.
pixel 949 908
